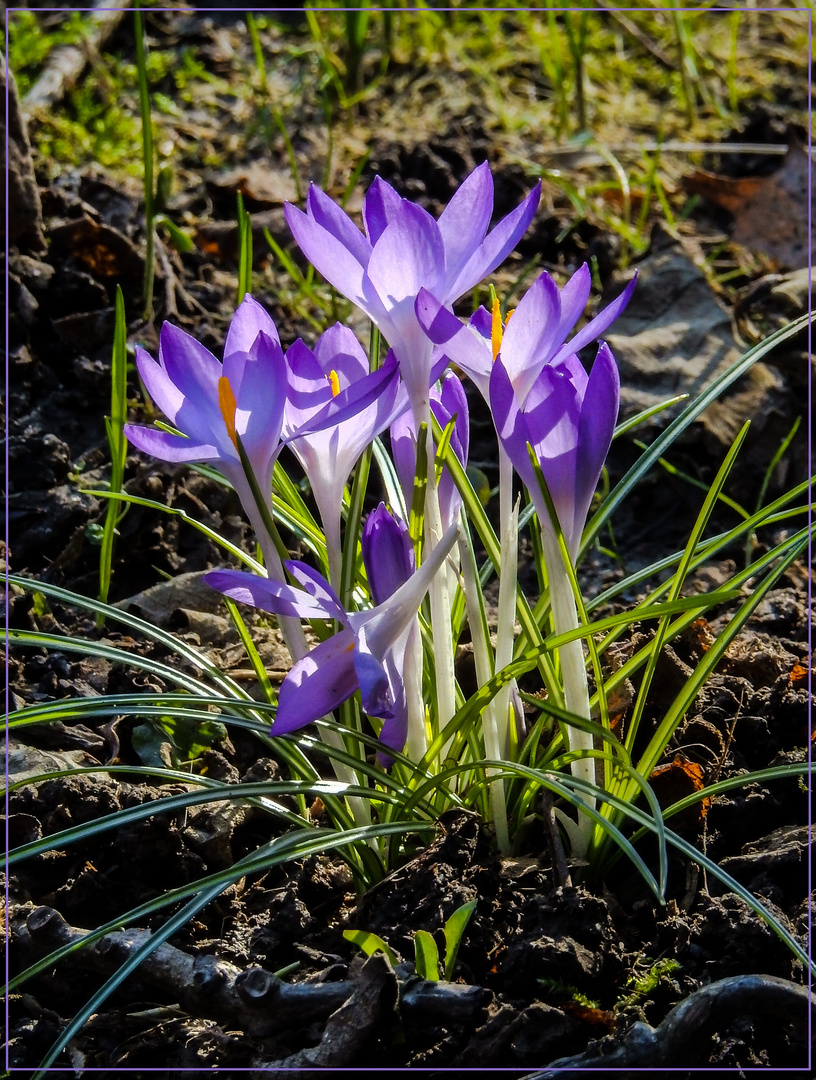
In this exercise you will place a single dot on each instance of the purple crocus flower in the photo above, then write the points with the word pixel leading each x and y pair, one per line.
pixel 337 367
pixel 214 404
pixel 535 336
pixel 568 418
pixel 365 654
pixel 403 250
pixel 446 402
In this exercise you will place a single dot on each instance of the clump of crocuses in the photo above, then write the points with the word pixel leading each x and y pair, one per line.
pixel 380 643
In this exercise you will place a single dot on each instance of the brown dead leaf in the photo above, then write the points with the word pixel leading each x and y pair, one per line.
pixel 676 781
pixel 798 674
pixel 770 212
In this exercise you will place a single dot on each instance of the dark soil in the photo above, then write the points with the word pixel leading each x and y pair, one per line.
pixel 545 969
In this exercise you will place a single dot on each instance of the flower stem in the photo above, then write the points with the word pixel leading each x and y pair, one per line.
pixel 508 570
pixel 574 677
pixel 417 742
pixel 484 671
pixel 440 598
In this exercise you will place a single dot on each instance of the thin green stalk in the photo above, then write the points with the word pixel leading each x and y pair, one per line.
pixel 686 63
pixel 147 159
pixel 577 46
pixel 244 251
pixel 118 450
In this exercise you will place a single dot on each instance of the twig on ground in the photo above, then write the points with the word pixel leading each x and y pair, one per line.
pixel 252 998
pixel 680 1040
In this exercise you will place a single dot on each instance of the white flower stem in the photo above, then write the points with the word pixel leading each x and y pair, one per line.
pixel 508 572
pixel 574 677
pixel 417 741
pixel 440 599
pixel 490 717
pixel 331 531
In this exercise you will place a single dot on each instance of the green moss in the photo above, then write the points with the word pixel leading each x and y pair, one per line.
pixel 29 45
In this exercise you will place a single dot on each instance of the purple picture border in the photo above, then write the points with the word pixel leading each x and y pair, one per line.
pixel 189 10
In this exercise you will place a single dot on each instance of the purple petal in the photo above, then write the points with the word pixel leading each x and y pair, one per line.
pixel 193 369
pixel 575 371
pixel 436 320
pixel 394 732
pixel 379 387
pixel 495 248
pixel 308 390
pixel 317 684
pixel 531 334
pixel 329 256
pixel 452 401
pixel 574 296
pixel 261 396
pixel 464 221
pixel 159 385
pixel 339 350
pixel 380 206
pixel 317 587
pixel 595 327
pixel 336 221
pixel 511 426
pixel 599 413
pixel 459 342
pixel 482 321
pixel 266 594
pixel 449 402
pixel 439 361
pixel 248 321
pixel 375 692
pixel 408 255
pixel 387 553
pixel 167 447
pixel 552 414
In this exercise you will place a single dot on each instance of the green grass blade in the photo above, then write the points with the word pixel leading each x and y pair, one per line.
pixel 244 251
pixel 118 449
pixel 147 160
pixel 426 956
pixel 371 943
pixel 455 928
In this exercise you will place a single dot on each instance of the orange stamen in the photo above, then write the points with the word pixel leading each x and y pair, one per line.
pixel 334 382
pixel 496 329
pixel 227 404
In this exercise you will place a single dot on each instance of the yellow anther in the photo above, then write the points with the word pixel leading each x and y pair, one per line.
pixel 509 317
pixel 496 329
pixel 227 404
pixel 334 382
